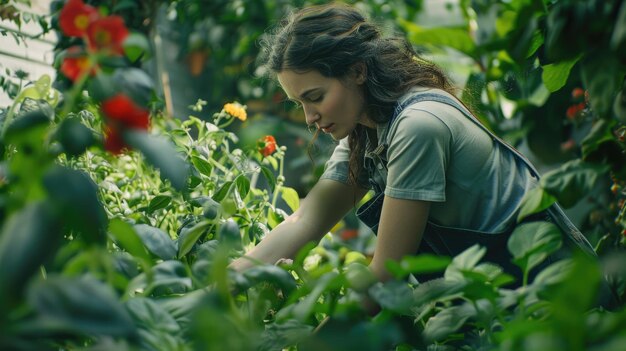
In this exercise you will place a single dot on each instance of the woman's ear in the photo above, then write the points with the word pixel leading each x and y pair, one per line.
pixel 359 72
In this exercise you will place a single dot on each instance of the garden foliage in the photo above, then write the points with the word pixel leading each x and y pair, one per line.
pixel 119 222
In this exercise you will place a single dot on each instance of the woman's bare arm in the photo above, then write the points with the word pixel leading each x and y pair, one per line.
pixel 400 231
pixel 324 206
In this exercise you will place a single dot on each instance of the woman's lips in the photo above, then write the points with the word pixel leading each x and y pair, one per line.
pixel 327 129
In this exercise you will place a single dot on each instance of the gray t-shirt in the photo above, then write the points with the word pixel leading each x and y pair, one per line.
pixel 438 154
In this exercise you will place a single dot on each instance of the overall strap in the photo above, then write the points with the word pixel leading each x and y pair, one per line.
pixel 555 211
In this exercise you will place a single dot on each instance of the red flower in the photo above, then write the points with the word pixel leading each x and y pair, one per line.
pixel 266 145
pixel 121 109
pixel 75 17
pixel 577 93
pixel 76 64
pixel 113 141
pixel 107 33
pixel 574 111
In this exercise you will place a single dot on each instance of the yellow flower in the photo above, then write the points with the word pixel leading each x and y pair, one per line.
pixel 236 110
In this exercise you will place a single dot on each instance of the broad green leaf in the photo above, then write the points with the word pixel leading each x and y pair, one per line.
pixel 243 185
pixel 75 137
pixel 600 78
pixel 600 134
pixel 126 237
pixel 229 233
pixel 79 306
pixel 76 198
pixel 279 336
pixel 203 166
pixel 223 191
pixel 535 201
pixel 160 153
pixel 466 260
pixel 437 289
pixel 555 75
pixel 159 202
pixel 271 180
pixel 291 197
pixel 191 236
pixel 28 238
pixel 554 273
pixel 305 307
pixel 136 45
pixel 135 83
pixel 393 295
pixel 425 263
pixel 157 241
pixel 572 181
pixel 447 322
pixel 166 278
pixel 271 274
pixel 151 316
pixel 531 243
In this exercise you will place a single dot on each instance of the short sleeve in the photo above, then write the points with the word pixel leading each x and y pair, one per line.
pixel 336 167
pixel 418 156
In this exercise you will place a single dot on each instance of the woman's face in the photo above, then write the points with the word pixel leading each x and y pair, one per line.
pixel 334 106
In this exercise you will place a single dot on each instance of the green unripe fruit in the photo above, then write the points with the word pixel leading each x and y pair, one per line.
pixel 359 277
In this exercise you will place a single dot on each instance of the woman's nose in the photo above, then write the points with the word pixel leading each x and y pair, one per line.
pixel 311 116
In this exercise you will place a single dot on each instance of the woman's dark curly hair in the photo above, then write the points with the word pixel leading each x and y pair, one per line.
pixel 332 39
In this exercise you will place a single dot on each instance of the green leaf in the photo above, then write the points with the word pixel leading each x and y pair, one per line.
pixel 393 295
pixel 269 175
pixel 555 75
pixel 600 134
pixel 135 83
pixel 448 321
pixel 535 201
pixel 305 307
pixel 191 236
pixel 291 197
pixel 425 263
pixel 75 137
pixel 437 289
pixel 618 39
pixel 279 336
pixel 229 233
pixel 28 238
pixel 166 278
pixel 136 45
pixel 160 153
pixel 79 306
pixel 159 202
pixel 600 78
pixel 126 237
pixel 157 241
pixel 271 274
pixel 76 198
pixel 203 166
pixel 223 191
pixel 572 181
pixel 466 261
pixel 243 185
pixel 151 316
pixel 531 243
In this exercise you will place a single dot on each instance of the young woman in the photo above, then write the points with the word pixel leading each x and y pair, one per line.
pixel 442 182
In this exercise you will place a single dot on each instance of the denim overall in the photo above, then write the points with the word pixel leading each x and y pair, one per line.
pixel 447 241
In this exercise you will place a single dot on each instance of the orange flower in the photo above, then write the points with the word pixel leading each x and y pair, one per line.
pixel 75 17
pixel 266 145
pixel 236 110
pixel 107 33
pixel 121 109
pixel 76 64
